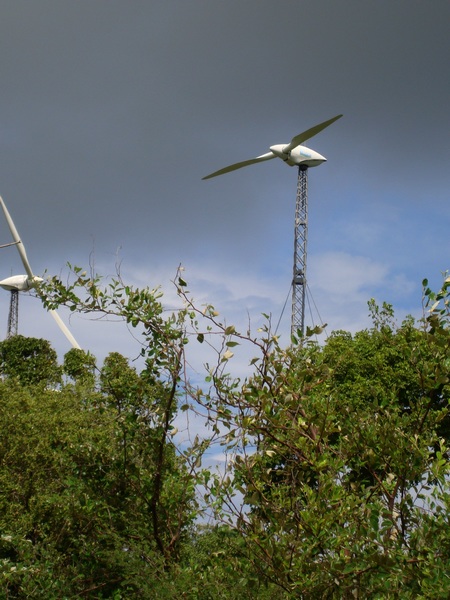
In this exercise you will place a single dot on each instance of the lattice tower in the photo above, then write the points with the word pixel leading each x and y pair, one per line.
pixel 300 253
pixel 13 317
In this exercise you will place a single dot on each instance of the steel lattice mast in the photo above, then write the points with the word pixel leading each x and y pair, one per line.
pixel 300 253
pixel 13 317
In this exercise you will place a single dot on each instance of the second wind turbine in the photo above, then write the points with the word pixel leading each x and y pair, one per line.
pixel 294 154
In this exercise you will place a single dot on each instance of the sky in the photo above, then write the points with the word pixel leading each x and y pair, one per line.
pixel 111 112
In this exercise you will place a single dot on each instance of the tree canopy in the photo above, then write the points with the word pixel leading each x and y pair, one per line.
pixel 336 478
pixel 31 360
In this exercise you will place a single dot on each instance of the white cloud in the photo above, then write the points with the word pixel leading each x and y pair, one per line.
pixel 345 275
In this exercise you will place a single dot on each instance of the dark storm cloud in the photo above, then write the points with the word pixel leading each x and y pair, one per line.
pixel 111 113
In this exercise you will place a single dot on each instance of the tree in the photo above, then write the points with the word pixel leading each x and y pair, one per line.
pixel 341 455
pixel 80 366
pixel 337 480
pixel 57 477
pixel 95 501
pixel 31 360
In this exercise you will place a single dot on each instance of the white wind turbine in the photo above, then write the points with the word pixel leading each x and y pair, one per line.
pixel 24 283
pixel 294 154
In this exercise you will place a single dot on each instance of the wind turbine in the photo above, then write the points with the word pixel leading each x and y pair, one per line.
pixel 294 154
pixel 24 283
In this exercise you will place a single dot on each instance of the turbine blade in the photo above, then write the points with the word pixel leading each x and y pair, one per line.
pixel 309 133
pixel 17 240
pixel 64 329
pixel 239 165
pixel 23 255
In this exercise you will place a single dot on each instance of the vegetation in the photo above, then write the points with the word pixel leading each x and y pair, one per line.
pixel 337 460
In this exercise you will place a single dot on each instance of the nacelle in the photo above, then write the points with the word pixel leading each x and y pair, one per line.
pixel 21 283
pixel 301 155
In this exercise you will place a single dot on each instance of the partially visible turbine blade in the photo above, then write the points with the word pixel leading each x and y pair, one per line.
pixel 239 165
pixel 17 240
pixel 23 255
pixel 309 133
pixel 64 329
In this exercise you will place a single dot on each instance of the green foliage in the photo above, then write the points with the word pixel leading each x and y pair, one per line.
pixel 94 500
pixel 32 361
pixel 341 455
pixel 57 473
pixel 216 565
pixel 337 474
pixel 80 367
